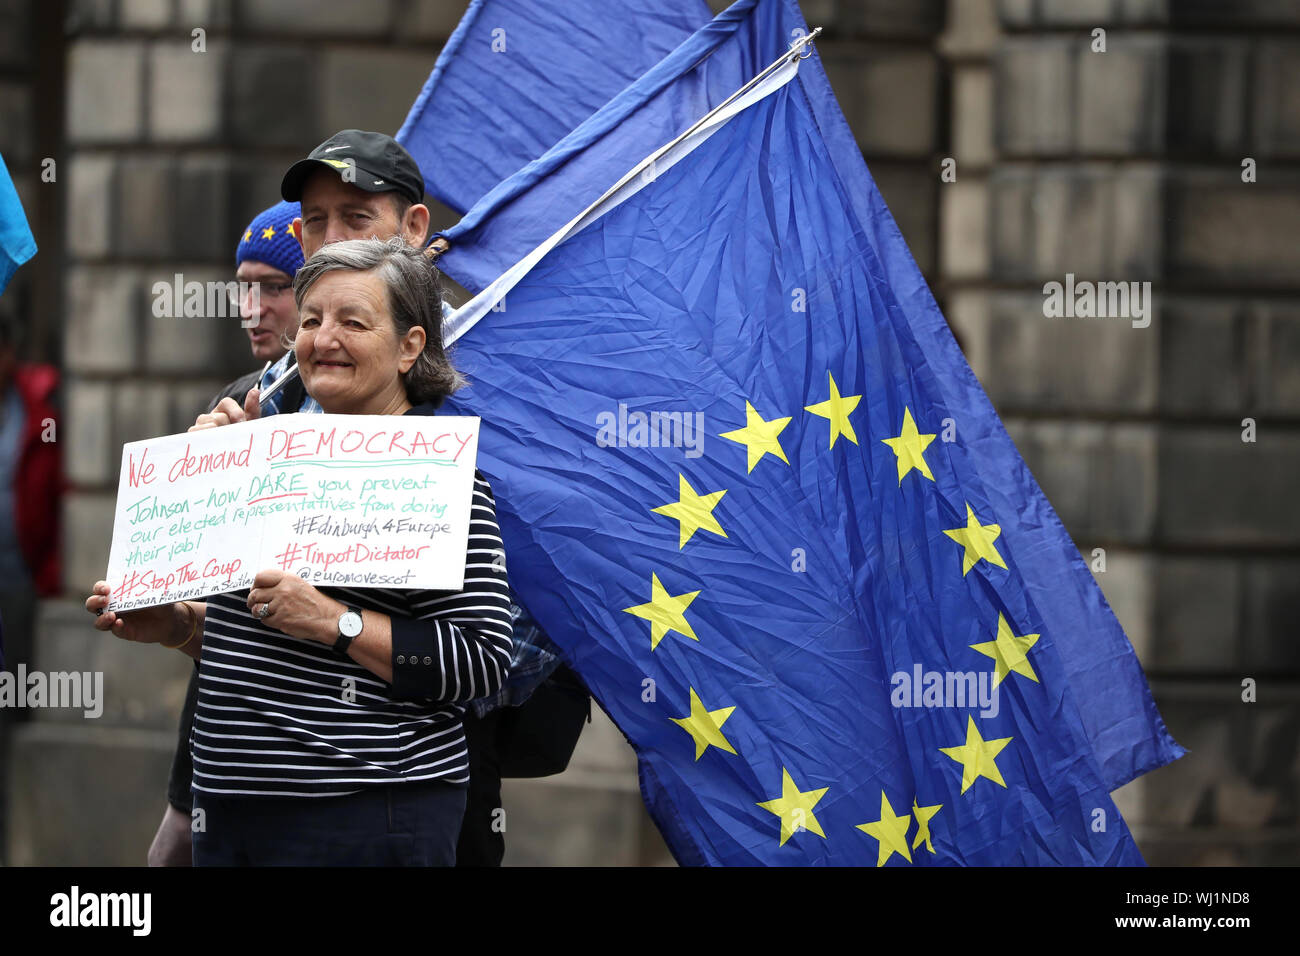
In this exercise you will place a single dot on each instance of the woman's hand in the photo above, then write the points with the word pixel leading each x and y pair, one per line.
pixel 149 625
pixel 228 412
pixel 294 607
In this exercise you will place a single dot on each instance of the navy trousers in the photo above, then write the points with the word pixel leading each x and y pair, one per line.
pixel 409 824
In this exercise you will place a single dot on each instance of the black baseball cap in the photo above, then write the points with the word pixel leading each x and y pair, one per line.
pixel 379 163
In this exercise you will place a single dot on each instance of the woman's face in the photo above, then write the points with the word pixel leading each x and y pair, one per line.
pixel 349 356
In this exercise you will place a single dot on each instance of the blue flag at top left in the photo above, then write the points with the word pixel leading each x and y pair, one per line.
pixel 17 244
pixel 518 75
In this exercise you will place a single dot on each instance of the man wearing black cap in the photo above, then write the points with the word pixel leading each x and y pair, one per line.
pixel 359 185
pixel 356 185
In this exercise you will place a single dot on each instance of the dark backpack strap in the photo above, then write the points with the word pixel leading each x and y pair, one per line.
pixel 237 389
pixel 537 738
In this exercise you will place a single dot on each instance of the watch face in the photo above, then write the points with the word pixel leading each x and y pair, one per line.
pixel 350 624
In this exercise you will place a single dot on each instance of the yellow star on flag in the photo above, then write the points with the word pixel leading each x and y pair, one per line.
pixel 759 437
pixel 705 726
pixel 665 612
pixel 976 756
pixel 692 511
pixel 288 230
pixel 910 447
pixel 248 235
pixel 268 232
pixel 891 831
pixel 923 815
pixel 978 540
pixel 795 808
pixel 837 409
pixel 1009 652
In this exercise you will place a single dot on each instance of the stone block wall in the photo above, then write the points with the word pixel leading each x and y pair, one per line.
pixel 1126 165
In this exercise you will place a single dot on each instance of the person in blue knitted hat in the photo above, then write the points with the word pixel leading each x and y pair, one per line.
pixel 269 254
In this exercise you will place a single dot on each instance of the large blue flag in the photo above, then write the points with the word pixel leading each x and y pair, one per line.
pixel 17 244
pixel 518 75
pixel 750 486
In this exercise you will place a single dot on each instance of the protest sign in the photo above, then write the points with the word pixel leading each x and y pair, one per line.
pixel 339 500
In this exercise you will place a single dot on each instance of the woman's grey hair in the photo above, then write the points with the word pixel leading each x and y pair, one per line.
pixel 414 298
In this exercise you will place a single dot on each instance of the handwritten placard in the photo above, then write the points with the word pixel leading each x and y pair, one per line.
pixel 339 500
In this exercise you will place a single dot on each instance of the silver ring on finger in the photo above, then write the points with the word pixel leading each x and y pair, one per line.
pixel 262 612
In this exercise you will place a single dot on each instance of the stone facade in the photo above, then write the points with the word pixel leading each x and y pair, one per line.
pixel 1126 165
pixel 1123 165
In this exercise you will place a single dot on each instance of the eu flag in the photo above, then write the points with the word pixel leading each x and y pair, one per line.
pixel 517 75
pixel 748 483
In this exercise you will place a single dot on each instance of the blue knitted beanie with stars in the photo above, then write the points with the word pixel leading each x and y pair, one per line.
pixel 269 239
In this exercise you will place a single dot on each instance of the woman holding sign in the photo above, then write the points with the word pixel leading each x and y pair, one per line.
pixel 328 728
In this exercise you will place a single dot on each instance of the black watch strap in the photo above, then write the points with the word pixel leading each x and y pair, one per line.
pixel 344 641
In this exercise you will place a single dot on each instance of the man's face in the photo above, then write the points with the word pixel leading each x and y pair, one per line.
pixel 276 314
pixel 333 211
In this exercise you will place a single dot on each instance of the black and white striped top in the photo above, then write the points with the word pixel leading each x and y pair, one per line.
pixel 275 716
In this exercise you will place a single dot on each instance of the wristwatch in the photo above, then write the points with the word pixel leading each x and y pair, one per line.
pixel 349 628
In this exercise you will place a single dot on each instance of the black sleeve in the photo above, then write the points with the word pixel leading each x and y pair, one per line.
pixel 178 784
pixel 237 389
pixel 457 646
